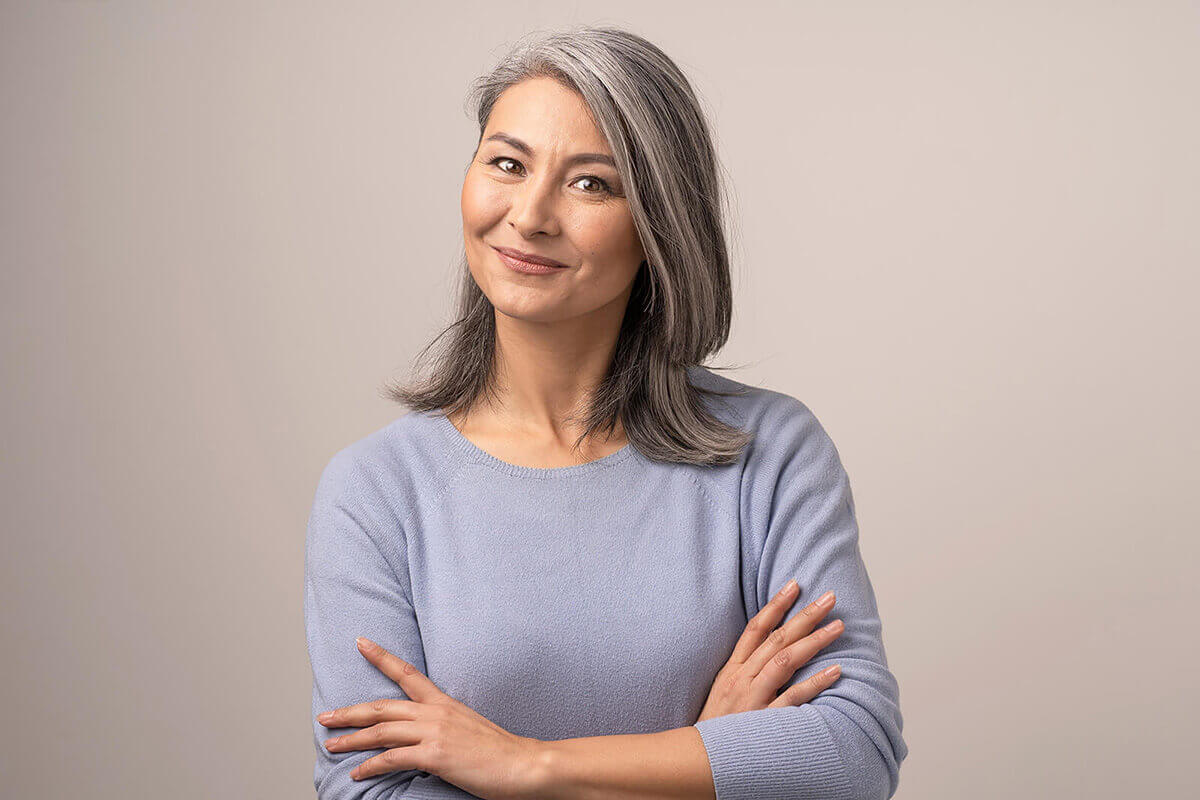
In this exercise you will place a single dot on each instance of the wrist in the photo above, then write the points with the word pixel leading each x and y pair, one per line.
pixel 541 770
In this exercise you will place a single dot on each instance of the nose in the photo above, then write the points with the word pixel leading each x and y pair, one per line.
pixel 534 207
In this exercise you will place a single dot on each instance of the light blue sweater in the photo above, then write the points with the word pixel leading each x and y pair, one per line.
pixel 600 598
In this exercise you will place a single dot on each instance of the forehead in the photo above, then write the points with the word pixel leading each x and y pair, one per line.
pixel 547 116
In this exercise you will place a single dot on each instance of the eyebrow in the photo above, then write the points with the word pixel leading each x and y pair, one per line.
pixel 577 158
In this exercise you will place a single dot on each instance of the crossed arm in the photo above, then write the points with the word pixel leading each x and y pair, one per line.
pixel 668 765
pixel 790 751
pixel 435 733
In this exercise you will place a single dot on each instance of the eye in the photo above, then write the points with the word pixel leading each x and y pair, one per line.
pixel 604 188
pixel 495 162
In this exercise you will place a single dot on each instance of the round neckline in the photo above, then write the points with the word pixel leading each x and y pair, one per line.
pixel 481 456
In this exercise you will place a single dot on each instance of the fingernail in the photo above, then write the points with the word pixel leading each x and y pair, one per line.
pixel 325 717
pixel 833 672
pixel 825 600
pixel 787 587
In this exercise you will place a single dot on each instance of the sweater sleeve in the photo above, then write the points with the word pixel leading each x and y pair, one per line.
pixel 356 584
pixel 846 743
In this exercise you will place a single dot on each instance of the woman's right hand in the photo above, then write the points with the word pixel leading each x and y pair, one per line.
pixel 765 657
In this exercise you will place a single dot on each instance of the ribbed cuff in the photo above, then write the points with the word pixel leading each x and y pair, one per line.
pixel 774 754
pixel 431 787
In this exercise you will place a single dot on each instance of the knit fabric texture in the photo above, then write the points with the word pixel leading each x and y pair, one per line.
pixel 600 598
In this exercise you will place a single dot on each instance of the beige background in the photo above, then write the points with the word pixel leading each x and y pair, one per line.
pixel 967 240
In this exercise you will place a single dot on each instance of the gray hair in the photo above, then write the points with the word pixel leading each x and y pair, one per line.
pixel 681 304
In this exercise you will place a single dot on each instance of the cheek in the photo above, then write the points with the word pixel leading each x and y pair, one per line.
pixel 482 204
pixel 611 243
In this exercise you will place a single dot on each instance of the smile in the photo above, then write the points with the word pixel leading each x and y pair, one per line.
pixel 527 267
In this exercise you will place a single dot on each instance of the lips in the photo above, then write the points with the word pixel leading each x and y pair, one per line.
pixel 529 258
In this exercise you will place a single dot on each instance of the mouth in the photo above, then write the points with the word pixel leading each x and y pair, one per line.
pixel 528 262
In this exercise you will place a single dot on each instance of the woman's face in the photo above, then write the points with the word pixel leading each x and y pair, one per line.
pixel 540 183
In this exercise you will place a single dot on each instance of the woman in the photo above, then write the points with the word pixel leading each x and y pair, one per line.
pixel 545 617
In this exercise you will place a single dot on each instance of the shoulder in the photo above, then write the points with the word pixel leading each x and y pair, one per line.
pixel 791 457
pixel 387 468
pixel 783 426
pixel 792 475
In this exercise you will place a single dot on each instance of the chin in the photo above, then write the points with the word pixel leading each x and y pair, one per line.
pixel 519 301
pixel 528 311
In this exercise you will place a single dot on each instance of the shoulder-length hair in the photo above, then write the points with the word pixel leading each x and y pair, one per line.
pixel 681 303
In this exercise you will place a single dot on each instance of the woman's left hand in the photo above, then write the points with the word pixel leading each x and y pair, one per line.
pixel 435 733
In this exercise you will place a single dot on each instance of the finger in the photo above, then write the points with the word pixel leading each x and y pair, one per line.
pixel 795 628
pixel 409 678
pixel 394 760
pixel 807 689
pixel 360 715
pixel 780 668
pixel 762 623
pixel 385 734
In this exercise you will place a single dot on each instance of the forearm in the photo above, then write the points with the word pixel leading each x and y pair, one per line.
pixel 669 765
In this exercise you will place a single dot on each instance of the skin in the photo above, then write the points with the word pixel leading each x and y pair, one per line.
pixel 556 335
